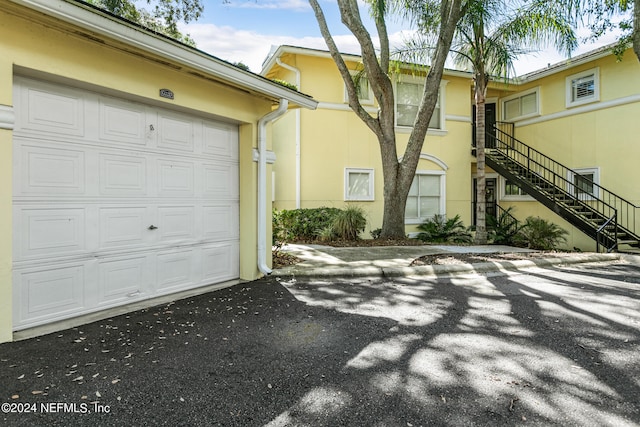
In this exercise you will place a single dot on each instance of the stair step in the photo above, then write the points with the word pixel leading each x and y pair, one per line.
pixel 628 242
pixel 589 218
pixel 634 251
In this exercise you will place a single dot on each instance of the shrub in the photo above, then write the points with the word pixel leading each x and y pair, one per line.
pixel 538 233
pixel 439 229
pixel 301 224
pixel 326 234
pixel 375 234
pixel 504 229
pixel 349 223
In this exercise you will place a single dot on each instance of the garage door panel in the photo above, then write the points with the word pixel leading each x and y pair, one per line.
pixel 176 133
pixel 123 280
pixel 125 226
pixel 92 174
pixel 120 175
pixel 123 122
pixel 220 181
pixel 47 232
pixel 176 269
pixel 46 108
pixel 176 223
pixel 220 139
pixel 46 170
pixel 219 262
pixel 175 179
pixel 48 293
pixel 220 222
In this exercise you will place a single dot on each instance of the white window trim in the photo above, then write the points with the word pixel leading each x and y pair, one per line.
pixel 347 196
pixel 508 197
pixel 442 98
pixel 536 113
pixel 369 101
pixel 580 171
pixel 596 88
pixel 443 196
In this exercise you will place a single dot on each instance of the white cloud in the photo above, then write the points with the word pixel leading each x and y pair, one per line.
pixel 251 47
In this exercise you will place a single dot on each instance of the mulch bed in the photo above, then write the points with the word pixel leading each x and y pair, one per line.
pixel 283 259
pixel 365 242
pixel 448 259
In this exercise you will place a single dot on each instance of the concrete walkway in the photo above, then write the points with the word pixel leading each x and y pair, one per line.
pixel 394 261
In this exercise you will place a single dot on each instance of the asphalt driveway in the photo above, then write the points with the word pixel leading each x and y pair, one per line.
pixel 556 346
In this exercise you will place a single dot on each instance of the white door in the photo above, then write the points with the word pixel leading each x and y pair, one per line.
pixel 116 201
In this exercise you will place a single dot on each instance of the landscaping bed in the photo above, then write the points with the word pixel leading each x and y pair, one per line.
pixel 467 258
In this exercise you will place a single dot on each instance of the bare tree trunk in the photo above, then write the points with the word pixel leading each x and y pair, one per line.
pixel 636 28
pixel 481 220
pixel 397 174
pixel 395 200
pixel 404 171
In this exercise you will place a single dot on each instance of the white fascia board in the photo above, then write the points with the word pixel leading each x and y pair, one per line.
pixel 103 24
pixel 271 60
pixel 587 57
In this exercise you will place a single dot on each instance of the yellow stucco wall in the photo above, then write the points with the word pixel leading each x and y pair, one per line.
pixel 284 143
pixel 602 134
pixel 334 138
pixel 36 45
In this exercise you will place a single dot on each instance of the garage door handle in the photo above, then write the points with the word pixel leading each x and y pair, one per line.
pixel 152 227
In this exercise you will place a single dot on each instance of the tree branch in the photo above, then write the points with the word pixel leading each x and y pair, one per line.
pixel 378 77
pixel 451 13
pixel 352 91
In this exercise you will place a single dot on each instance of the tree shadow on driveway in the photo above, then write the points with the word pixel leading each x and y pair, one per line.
pixel 517 349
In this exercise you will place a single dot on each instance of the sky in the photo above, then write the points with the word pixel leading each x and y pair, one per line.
pixel 246 30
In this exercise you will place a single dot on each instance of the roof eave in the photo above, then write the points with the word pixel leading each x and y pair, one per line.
pixel 587 57
pixel 103 24
pixel 270 62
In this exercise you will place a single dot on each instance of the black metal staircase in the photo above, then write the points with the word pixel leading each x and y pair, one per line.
pixel 599 213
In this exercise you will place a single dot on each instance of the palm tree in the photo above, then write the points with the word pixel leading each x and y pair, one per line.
pixel 489 37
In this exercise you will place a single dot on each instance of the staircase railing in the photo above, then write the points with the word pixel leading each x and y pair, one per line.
pixel 619 211
pixel 508 220
pixel 600 235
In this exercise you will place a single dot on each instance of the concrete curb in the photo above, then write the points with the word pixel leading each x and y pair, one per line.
pixel 443 270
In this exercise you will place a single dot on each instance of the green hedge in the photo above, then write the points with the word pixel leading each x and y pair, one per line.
pixel 301 224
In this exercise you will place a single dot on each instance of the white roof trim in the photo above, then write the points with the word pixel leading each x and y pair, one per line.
pixel 103 24
pixel 590 56
pixel 587 57
pixel 270 61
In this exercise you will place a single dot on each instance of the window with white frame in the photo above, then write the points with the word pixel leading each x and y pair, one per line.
pixel 365 94
pixel 521 106
pixel 583 87
pixel 584 182
pixel 512 191
pixel 408 98
pixel 426 197
pixel 358 184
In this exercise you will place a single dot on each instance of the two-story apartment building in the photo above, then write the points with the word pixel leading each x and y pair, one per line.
pixel 579 113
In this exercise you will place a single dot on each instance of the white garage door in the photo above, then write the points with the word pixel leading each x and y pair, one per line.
pixel 116 202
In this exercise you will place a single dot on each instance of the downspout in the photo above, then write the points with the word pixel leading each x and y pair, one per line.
pixel 262 183
pixel 297 113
